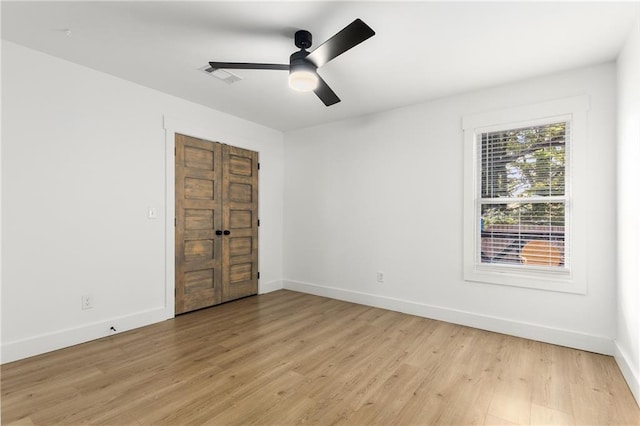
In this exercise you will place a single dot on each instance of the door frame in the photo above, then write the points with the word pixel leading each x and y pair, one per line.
pixel 171 127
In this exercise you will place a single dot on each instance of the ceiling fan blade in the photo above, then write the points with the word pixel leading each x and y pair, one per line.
pixel 324 92
pixel 248 66
pixel 350 36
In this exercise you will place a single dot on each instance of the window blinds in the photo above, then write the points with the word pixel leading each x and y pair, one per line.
pixel 523 196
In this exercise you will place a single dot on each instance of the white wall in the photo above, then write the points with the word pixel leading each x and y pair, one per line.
pixel 83 160
pixel 628 336
pixel 385 193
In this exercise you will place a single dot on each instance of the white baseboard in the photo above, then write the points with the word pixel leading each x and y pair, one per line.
pixel 628 371
pixel 13 351
pixel 557 336
pixel 269 287
pixel 24 348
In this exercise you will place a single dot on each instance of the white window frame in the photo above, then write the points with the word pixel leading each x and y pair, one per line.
pixel 568 280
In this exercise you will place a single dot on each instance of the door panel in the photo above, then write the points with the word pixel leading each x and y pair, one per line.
pixel 216 189
pixel 240 218
pixel 198 216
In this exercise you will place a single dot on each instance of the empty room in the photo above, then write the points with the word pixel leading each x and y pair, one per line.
pixel 287 212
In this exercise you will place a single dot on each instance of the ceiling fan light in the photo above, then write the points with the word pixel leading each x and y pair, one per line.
pixel 303 80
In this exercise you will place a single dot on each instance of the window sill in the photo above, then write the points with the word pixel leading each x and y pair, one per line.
pixel 563 282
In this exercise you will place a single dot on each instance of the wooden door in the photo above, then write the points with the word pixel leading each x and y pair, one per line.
pixel 198 259
pixel 240 222
pixel 216 247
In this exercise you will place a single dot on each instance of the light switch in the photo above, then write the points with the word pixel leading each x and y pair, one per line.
pixel 153 213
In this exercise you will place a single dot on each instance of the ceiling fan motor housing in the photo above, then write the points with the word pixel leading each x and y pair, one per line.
pixel 302 72
pixel 298 61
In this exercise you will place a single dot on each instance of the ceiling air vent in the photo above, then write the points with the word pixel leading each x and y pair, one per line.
pixel 224 75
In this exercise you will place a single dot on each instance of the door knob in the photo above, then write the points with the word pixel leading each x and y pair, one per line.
pixel 227 232
pixel 218 232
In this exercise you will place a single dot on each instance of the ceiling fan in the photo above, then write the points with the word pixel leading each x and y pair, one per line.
pixel 303 65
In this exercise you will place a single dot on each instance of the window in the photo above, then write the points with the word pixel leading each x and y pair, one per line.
pixel 522 200
pixel 518 196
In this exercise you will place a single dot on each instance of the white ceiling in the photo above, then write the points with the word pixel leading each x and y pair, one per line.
pixel 421 50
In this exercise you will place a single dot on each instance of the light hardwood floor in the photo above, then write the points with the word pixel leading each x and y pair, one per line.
pixel 289 358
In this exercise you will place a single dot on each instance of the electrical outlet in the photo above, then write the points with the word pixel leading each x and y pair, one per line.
pixel 380 277
pixel 86 302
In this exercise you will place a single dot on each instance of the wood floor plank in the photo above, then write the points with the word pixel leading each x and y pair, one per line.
pixel 287 358
pixel 541 415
